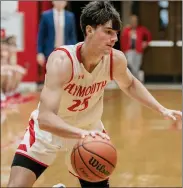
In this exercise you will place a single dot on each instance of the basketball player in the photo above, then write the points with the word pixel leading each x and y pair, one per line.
pixel 71 102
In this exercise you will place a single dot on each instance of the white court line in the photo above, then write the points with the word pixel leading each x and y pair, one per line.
pixel 179 43
pixel 161 43
pixel 164 86
pixel 113 85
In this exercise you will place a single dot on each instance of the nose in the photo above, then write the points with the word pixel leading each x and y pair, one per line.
pixel 114 38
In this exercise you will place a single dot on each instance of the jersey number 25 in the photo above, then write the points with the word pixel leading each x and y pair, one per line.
pixel 79 105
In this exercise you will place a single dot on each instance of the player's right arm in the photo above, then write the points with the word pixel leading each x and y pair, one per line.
pixel 59 72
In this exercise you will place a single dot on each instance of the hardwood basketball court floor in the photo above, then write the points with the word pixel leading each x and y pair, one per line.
pixel 149 147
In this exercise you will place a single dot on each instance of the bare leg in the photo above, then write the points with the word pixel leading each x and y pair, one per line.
pixel 21 177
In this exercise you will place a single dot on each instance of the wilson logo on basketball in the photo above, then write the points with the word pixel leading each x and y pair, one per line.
pixel 99 167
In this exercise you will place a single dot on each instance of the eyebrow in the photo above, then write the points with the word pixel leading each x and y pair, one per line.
pixel 108 28
pixel 111 29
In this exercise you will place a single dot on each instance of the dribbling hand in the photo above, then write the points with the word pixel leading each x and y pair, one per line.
pixel 95 133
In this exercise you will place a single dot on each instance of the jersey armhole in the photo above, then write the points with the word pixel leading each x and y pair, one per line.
pixel 111 65
pixel 69 55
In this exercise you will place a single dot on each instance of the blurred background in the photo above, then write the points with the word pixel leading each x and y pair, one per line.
pixel 162 60
pixel 151 39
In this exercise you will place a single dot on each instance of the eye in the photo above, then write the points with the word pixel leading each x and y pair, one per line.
pixel 108 32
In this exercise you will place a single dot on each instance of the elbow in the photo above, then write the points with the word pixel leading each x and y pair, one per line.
pixel 131 83
pixel 42 120
pixel 45 120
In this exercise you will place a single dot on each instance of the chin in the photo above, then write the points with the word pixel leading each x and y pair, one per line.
pixel 106 52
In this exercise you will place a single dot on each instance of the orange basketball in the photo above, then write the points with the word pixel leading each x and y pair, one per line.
pixel 94 159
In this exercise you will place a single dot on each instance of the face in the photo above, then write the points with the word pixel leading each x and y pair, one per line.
pixel 59 5
pixel 134 21
pixel 103 38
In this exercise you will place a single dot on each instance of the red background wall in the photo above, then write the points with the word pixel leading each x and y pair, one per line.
pixel 27 58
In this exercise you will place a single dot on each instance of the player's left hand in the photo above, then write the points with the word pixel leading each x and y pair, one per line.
pixel 174 115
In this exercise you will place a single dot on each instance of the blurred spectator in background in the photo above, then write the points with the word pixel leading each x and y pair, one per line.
pixel 57 27
pixel 134 40
pixel 11 73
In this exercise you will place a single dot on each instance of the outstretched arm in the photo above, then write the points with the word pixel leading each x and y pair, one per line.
pixel 135 89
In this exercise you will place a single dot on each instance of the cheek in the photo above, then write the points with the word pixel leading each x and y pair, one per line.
pixel 102 38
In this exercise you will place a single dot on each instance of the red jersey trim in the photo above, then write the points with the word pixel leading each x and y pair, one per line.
pixel 111 65
pixel 69 55
pixel 78 52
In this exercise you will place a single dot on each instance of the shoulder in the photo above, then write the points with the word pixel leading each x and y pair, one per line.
pixel 59 58
pixel 69 13
pixel 118 57
pixel 119 61
pixel 60 64
pixel 142 28
pixel 126 28
pixel 47 12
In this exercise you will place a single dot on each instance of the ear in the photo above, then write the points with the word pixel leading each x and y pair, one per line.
pixel 89 30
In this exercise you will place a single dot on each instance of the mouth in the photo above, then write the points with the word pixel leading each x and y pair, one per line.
pixel 110 45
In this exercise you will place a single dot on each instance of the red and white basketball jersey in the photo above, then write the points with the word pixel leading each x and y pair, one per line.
pixel 82 98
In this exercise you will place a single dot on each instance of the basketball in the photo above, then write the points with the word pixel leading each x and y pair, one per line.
pixel 94 159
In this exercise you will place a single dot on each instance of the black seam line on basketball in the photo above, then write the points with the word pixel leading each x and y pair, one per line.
pixel 87 166
pixel 101 142
pixel 95 141
pixel 99 156
pixel 75 163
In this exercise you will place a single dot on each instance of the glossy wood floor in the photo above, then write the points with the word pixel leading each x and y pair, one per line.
pixel 149 147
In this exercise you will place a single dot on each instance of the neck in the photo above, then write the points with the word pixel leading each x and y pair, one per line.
pixel 134 27
pixel 58 10
pixel 89 56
